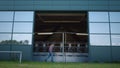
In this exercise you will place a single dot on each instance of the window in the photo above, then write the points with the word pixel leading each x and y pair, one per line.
pixel 114 16
pixel 99 27
pixel 115 27
pixel 22 39
pixel 100 40
pixel 6 27
pixel 115 40
pixel 23 27
pixel 23 16
pixel 98 16
pixel 6 15
pixel 5 38
pixel 20 22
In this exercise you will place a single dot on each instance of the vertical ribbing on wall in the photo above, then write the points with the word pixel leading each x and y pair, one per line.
pixel 88 5
pixel 109 7
pixel 13 5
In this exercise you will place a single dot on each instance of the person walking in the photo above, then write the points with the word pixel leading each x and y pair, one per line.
pixel 50 54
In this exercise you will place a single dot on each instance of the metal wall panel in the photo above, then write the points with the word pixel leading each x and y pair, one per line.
pixel 99 54
pixel 104 54
pixel 114 5
pixel 26 50
pixel 59 5
pixel 4 56
pixel 115 53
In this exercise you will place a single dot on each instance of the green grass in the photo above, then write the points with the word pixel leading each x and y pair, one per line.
pixel 13 64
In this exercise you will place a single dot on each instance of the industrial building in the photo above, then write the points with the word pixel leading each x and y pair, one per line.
pixel 81 30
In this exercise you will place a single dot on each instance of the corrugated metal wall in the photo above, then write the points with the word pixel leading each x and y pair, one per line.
pixel 59 4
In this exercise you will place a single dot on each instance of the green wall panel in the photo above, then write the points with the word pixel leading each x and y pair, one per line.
pixel 27 7
pixel 26 50
pixel 104 53
pixel 115 53
pixel 59 5
pixel 4 56
pixel 99 53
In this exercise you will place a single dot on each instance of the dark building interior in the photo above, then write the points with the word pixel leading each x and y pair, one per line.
pixel 57 22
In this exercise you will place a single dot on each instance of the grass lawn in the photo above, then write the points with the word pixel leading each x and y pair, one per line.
pixel 11 64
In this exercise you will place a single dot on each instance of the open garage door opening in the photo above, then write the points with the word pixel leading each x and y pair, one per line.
pixel 68 31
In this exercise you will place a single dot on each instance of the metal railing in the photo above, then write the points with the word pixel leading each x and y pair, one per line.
pixel 58 47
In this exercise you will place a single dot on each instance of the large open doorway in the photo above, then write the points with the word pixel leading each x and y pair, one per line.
pixel 68 31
